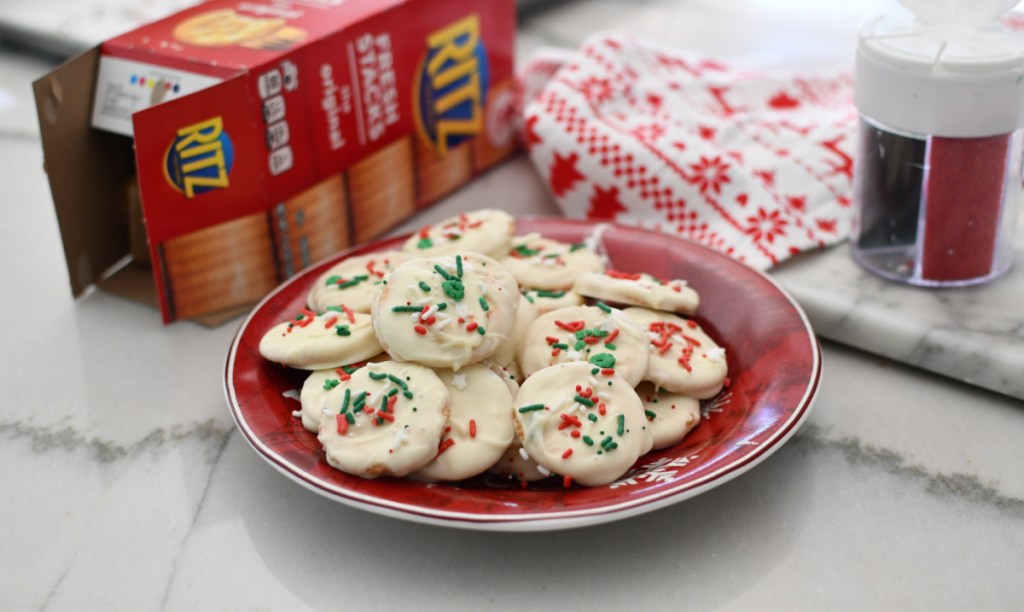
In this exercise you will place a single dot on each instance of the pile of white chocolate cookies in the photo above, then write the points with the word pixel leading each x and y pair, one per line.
pixel 473 349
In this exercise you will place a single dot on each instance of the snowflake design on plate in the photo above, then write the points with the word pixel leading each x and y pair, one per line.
pixel 654 472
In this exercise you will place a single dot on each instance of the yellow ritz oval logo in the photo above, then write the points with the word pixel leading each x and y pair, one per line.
pixel 450 85
pixel 200 158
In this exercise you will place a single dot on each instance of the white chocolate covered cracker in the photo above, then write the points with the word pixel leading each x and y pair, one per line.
pixel 574 423
pixel 542 263
pixel 670 415
pixel 446 312
pixel 313 341
pixel 352 282
pixel 483 231
pixel 683 358
pixel 479 429
pixel 600 335
pixel 387 419
pixel 638 290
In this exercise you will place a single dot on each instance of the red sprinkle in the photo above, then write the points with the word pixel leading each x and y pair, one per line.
pixel 573 326
pixel 691 340
pixel 472 428
pixel 664 347
pixel 611 336
pixel 617 274
pixel 348 313
pixel 691 324
pixel 444 445
pixel 472 326
pixel 591 339
pixel 608 372
pixel 567 481
pixel 425 231
pixel 601 408
pixel 567 420
pixel 342 424
pixel 419 329
pixel 727 383
pixel 567 453
pixel 555 352
pixel 386 416
pixel 391 403
pixel 575 433
pixel 329 322
pixel 551 339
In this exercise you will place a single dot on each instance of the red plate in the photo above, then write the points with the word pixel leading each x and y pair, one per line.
pixel 774 366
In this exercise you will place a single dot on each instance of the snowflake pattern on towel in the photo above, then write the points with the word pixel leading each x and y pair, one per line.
pixel 755 165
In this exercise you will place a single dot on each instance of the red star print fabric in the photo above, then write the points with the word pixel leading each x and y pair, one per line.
pixel 758 166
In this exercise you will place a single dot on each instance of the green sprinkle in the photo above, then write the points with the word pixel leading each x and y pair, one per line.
pixel 581 334
pixel 442 306
pixel 458 265
pixel 398 381
pixel 342 330
pixel 355 281
pixel 606 442
pixel 595 370
pixel 424 286
pixel 344 402
pixel 384 403
pixel 378 375
pixel 351 419
pixel 424 243
pixel 483 304
pixel 360 400
pixel 405 309
pixel 576 246
pixel 331 383
pixel 454 288
pixel 444 273
pixel 525 251
pixel 592 417
pixel 298 317
pixel 335 308
pixel 588 440
pixel 603 360
pixel 610 347
pixel 392 392
pixel 331 280
pixel 550 294
pixel 650 414
pixel 604 307
pixel 560 345
pixel 407 394
pixel 621 429
pixel 531 408
pixel 612 446
pixel 349 369
pixel 480 330
pixel 528 298
pixel 599 333
pixel 580 345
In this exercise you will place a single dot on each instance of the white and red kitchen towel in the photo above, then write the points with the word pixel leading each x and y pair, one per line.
pixel 757 166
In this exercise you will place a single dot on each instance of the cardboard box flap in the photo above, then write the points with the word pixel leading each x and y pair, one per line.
pixel 87 169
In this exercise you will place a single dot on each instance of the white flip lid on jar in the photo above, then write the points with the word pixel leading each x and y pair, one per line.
pixel 940 74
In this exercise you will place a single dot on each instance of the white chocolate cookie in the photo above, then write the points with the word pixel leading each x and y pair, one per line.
pixel 387 419
pixel 445 312
pixel 600 335
pixel 574 423
pixel 479 429
pixel 545 301
pixel 683 358
pixel 314 342
pixel 548 264
pixel 317 388
pixel 483 231
pixel 352 282
pixel 670 415
pixel 526 314
pixel 639 290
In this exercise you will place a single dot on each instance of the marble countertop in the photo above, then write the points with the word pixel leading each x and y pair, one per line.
pixel 128 487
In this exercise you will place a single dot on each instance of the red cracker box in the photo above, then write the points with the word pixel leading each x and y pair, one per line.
pixel 267 135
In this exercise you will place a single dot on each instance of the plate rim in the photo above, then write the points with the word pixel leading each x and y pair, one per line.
pixel 549 520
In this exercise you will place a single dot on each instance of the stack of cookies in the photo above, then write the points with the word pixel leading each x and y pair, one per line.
pixel 473 350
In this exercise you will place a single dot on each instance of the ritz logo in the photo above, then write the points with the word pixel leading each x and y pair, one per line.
pixel 200 158
pixel 450 85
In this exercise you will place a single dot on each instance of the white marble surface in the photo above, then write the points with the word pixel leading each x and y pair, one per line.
pixel 127 487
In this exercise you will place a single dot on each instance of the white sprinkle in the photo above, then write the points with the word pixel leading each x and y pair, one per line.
pixel 716 354
pixel 430 311
pixel 291 394
pixel 459 381
pixel 593 382
pixel 443 323
pixel 415 317
pixel 297 414
pixel 543 470
pixel 461 310
pixel 653 336
pixel 573 355
pixel 422 302
pixel 605 396
pixel 522 453
pixel 400 437
pixel 483 288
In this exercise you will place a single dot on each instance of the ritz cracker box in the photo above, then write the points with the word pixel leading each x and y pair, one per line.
pixel 200 160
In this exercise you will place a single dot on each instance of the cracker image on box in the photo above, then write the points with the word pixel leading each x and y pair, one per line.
pixel 485 231
pixel 381 189
pixel 354 281
pixel 582 422
pixel 599 335
pixel 445 312
pixel 479 426
pixel 311 225
pixel 203 274
pixel 225 27
pixel 670 415
pixel 386 420
pixel 542 263
pixel 683 358
pixel 311 341
pixel 639 289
